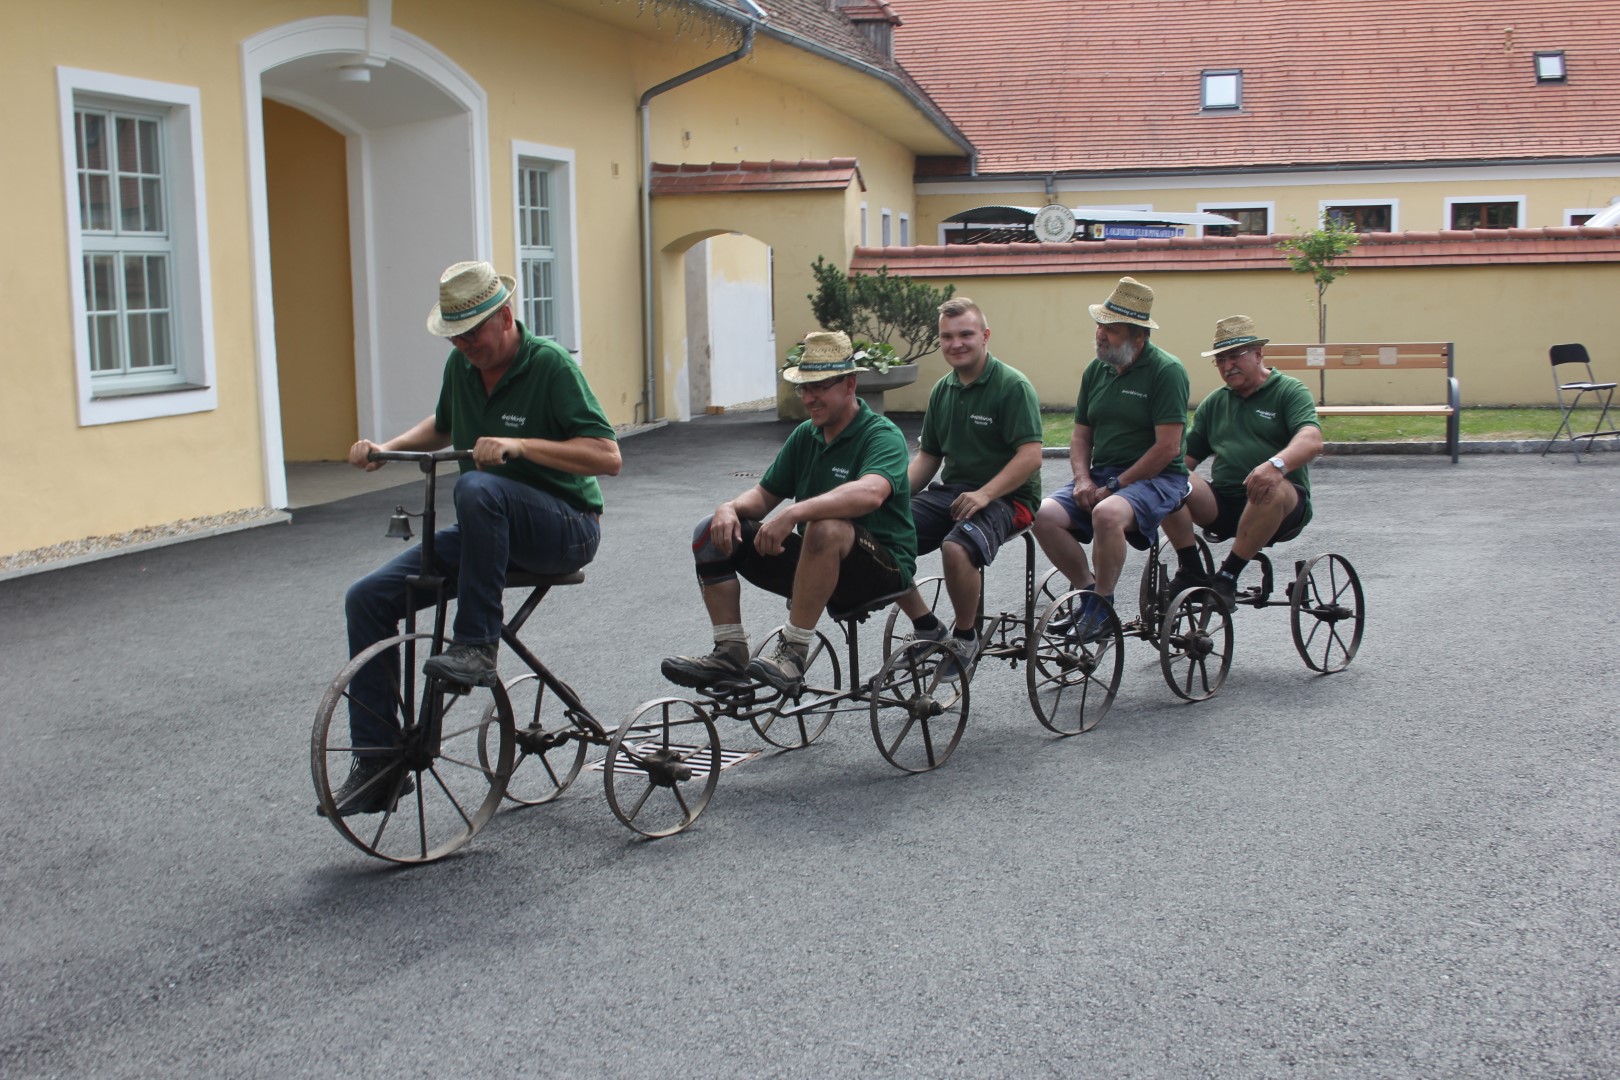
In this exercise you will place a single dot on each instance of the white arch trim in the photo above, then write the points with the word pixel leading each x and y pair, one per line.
pixel 358 37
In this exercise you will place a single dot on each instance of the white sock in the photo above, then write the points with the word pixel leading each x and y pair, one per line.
pixel 726 633
pixel 796 636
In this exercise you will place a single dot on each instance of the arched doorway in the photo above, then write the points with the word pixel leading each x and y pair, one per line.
pixel 412 208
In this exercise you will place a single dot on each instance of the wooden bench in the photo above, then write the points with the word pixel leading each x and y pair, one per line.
pixel 1376 356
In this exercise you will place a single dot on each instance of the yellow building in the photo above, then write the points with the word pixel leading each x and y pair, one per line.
pixel 235 226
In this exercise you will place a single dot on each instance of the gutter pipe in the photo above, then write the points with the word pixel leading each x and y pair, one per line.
pixel 644 115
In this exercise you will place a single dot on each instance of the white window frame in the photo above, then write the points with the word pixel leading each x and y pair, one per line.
pixel 905 230
pixel 886 226
pixel 863 224
pixel 192 387
pixel 1393 204
pixel 560 161
pixel 1237 204
pixel 1592 211
pixel 1519 200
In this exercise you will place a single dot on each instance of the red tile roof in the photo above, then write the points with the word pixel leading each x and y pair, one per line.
pixel 1570 244
pixel 1043 85
pixel 720 178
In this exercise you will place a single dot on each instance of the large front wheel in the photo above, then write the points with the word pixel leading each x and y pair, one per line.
pixel 1328 612
pixel 662 766
pixel 438 781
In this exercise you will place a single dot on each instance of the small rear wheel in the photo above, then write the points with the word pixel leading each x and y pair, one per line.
pixel 1153 593
pixel 897 627
pixel 662 766
pixel 549 755
pixel 918 711
pixel 439 780
pixel 1328 612
pixel 1072 685
pixel 1195 644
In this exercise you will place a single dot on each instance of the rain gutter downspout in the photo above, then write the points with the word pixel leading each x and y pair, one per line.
pixel 644 115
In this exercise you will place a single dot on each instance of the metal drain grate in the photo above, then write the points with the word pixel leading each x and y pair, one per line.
pixel 748 475
pixel 728 759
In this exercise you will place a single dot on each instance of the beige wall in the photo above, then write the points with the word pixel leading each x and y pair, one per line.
pixel 306 184
pixel 1421 205
pixel 1501 319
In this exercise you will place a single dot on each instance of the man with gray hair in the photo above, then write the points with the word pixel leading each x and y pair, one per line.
pixel 983 424
pixel 1125 453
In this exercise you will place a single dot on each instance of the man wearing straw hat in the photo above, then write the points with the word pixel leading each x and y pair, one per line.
pixel 1262 429
pixel 846 536
pixel 529 498
pixel 983 425
pixel 1125 452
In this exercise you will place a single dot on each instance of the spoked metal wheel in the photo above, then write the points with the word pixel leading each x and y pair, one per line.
pixel 897 627
pixel 1153 592
pixel 548 754
pixel 662 766
pixel 1072 685
pixel 918 711
pixel 793 724
pixel 1328 612
pixel 431 794
pixel 1195 644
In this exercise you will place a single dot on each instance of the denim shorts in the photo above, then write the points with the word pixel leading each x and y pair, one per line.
pixel 1152 500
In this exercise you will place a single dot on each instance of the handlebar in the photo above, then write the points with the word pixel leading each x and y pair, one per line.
pixel 419 455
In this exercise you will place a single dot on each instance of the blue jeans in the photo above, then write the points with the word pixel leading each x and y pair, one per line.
pixel 500 523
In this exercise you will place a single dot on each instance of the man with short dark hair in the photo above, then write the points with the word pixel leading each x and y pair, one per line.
pixel 1262 430
pixel 983 423
pixel 528 498
pixel 1125 453
pixel 846 536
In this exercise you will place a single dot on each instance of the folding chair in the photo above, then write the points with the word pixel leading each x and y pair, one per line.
pixel 1602 392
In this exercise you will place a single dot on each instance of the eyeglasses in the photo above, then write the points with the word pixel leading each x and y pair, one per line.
pixel 472 335
pixel 818 388
pixel 1234 354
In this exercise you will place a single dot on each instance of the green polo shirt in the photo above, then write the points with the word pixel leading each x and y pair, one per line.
pixel 978 427
pixel 1122 409
pixel 808 466
pixel 543 395
pixel 1244 431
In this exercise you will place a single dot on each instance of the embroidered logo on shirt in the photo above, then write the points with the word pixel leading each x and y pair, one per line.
pixel 982 421
pixel 513 421
pixel 1264 415
pixel 841 471
pixel 1135 393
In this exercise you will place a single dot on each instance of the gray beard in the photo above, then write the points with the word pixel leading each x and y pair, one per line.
pixel 1119 358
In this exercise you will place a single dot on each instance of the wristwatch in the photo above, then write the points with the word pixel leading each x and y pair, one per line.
pixel 1112 483
pixel 1282 466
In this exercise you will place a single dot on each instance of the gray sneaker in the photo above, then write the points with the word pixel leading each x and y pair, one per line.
pixel 728 663
pixel 464 665
pixel 964 654
pixel 783 669
pixel 938 633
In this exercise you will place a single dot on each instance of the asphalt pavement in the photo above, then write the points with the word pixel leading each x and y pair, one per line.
pixel 1405 869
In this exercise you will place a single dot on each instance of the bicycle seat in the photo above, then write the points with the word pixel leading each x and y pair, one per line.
pixel 861 611
pixel 522 579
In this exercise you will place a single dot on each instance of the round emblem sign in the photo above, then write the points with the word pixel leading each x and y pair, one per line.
pixel 1054 224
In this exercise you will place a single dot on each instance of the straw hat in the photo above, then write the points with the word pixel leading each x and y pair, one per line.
pixel 1132 302
pixel 468 292
pixel 826 353
pixel 1234 332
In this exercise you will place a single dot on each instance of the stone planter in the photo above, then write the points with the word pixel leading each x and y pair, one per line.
pixel 872 384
